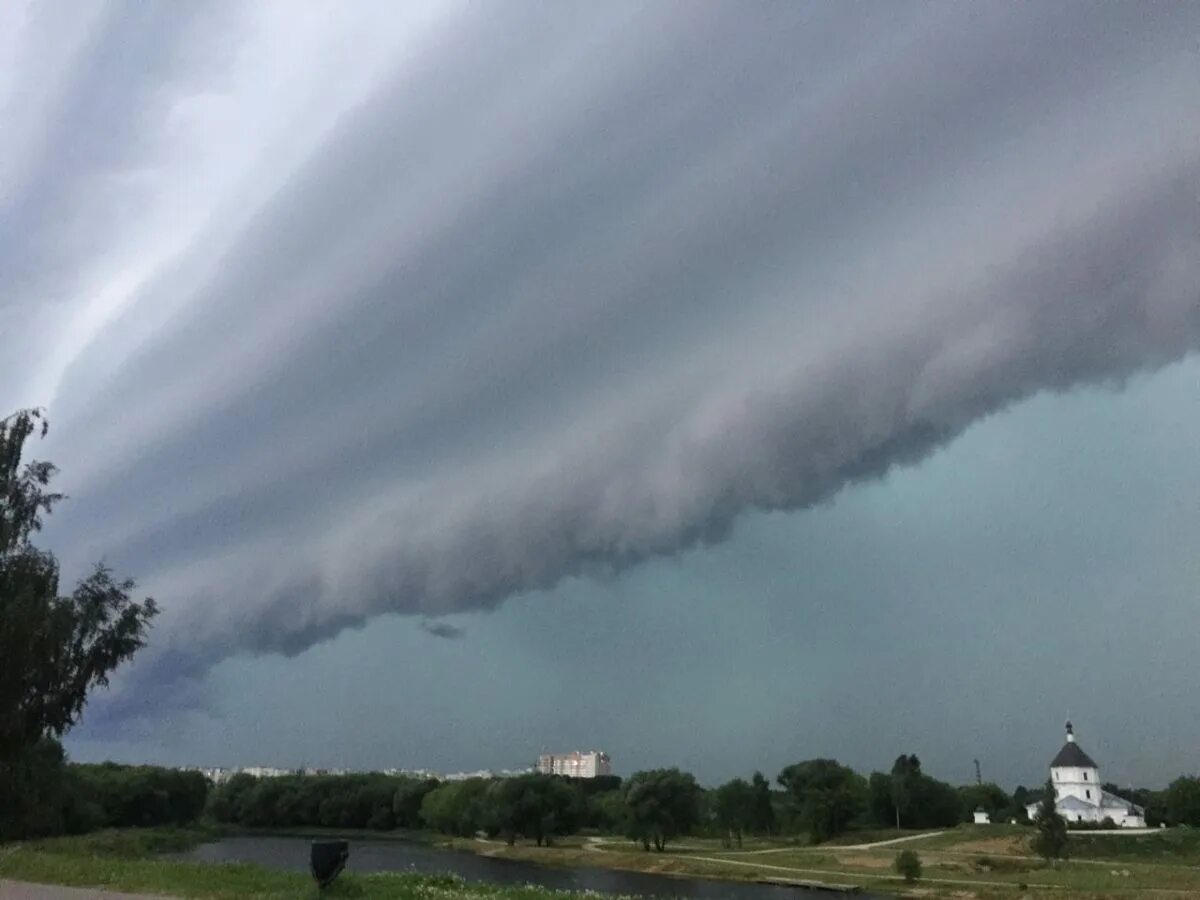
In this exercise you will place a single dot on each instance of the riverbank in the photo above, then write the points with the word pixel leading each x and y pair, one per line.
pixel 128 861
pixel 964 862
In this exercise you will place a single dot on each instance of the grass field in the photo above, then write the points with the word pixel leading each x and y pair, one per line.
pixel 965 862
pixel 124 860
pixel 969 861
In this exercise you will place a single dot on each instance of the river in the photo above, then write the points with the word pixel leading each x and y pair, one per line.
pixel 400 856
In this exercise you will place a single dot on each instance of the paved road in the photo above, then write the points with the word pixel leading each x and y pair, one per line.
pixel 23 890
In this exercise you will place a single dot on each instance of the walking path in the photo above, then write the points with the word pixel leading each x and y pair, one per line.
pixel 24 890
pixel 873 844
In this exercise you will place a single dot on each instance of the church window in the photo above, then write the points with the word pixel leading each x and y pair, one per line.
pixel 1085 776
pixel 1089 794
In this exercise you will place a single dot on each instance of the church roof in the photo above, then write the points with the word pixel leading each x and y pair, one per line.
pixel 1112 801
pixel 1072 754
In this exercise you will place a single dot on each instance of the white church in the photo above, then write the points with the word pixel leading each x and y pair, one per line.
pixel 1078 796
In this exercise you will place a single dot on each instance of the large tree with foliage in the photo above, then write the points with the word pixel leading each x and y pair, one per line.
pixel 457 807
pixel 661 804
pixel 906 773
pixel 826 795
pixel 763 821
pixel 1051 839
pixel 534 806
pixel 1183 801
pixel 987 796
pixel 53 649
pixel 734 808
pixel 909 798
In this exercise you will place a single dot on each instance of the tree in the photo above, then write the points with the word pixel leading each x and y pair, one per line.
pixel 826 795
pixel 988 797
pixel 534 806
pixel 763 817
pixel 53 650
pixel 1050 842
pixel 1021 799
pixel 911 798
pixel 456 807
pixel 908 864
pixel 661 805
pixel 1183 801
pixel 406 802
pixel 607 811
pixel 735 807
pixel 905 771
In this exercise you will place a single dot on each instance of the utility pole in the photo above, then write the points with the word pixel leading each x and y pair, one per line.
pixel 978 776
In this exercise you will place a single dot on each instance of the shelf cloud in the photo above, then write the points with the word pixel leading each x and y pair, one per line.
pixel 415 309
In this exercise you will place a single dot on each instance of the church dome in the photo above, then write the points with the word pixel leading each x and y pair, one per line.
pixel 1071 755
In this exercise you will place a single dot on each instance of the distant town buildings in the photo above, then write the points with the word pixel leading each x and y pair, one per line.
pixel 222 774
pixel 1078 796
pixel 579 764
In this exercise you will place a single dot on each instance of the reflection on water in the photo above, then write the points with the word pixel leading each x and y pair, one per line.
pixel 398 856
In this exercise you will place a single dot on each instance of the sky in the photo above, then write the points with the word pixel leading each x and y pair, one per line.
pixel 717 385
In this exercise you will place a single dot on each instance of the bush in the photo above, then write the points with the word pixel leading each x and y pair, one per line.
pixel 908 864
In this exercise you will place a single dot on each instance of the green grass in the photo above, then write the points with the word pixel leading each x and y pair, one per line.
pixel 123 860
pixel 1170 845
pixel 953 863
pixel 872 835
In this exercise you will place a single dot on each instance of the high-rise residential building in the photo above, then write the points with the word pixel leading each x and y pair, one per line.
pixel 579 764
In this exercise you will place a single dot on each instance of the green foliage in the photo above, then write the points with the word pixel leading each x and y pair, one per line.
pixel 33 798
pixel 1183 801
pixel 661 804
pixel 114 796
pixel 988 797
pixel 406 802
pixel 533 806
pixel 734 806
pixel 601 784
pixel 372 801
pixel 1167 845
pixel 53 650
pixel 457 807
pixel 826 796
pixel 607 812
pixel 763 808
pixel 908 865
pixel 1051 839
pixel 922 801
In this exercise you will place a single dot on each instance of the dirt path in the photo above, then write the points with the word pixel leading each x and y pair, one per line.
pixel 873 845
pixel 24 890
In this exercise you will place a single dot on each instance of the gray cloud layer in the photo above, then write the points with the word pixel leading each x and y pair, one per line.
pixel 412 313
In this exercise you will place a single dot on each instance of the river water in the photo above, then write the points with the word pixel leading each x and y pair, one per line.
pixel 399 856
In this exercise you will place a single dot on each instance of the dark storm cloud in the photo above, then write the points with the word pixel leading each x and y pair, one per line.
pixel 443 630
pixel 414 315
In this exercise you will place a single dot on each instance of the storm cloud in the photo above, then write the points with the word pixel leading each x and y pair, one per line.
pixel 418 308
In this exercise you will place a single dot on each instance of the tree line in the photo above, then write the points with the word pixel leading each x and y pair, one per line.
pixel 819 797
